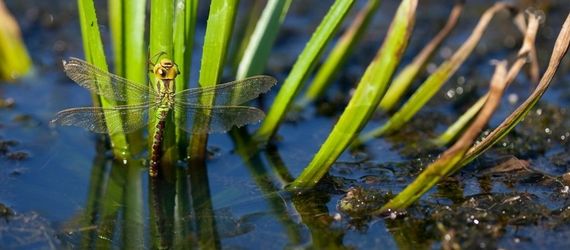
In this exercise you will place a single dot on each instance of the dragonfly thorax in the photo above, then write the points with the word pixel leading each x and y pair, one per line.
pixel 165 72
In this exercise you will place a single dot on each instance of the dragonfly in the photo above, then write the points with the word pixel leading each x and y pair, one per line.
pixel 221 115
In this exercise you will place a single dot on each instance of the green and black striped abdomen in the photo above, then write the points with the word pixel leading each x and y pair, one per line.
pixel 157 144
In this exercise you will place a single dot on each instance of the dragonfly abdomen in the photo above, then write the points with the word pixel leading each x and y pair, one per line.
pixel 157 144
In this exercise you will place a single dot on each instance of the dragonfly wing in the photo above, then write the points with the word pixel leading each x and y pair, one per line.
pixel 231 93
pixel 103 83
pixel 216 119
pixel 120 119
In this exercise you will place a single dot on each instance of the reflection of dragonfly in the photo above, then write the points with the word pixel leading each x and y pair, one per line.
pixel 223 114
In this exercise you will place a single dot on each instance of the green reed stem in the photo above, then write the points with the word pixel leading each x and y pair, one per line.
pixel 255 56
pixel 366 97
pixel 339 54
pixel 116 24
pixel 184 27
pixel 558 52
pixel 449 159
pixel 303 66
pixel 406 77
pixel 133 211
pixel 436 80
pixel 95 54
pixel 455 129
pixel 15 59
pixel 135 58
pixel 246 21
pixel 216 44
pixel 262 39
pixel 457 156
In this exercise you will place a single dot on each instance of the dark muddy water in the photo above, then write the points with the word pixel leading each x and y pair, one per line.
pixel 59 187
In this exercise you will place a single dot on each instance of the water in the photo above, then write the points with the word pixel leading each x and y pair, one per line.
pixel 67 191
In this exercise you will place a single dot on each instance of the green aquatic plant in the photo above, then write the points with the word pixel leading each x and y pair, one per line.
pixel 462 152
pixel 172 25
pixel 441 167
pixel 184 27
pixel 405 78
pixel 301 69
pixel 216 44
pixel 94 54
pixel 263 37
pixel 436 80
pixel 338 55
pixel 129 104
pixel 366 97
pixel 13 52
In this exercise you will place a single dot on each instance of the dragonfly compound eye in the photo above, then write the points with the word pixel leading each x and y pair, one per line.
pixel 161 72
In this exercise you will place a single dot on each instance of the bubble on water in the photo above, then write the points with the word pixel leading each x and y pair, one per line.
pixel 459 90
pixel 539 112
pixel 450 93
pixel 548 131
pixel 445 52
pixel 431 68
pixel 337 217
pixel 50 19
pixel 513 99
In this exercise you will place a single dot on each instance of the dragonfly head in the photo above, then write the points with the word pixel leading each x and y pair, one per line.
pixel 165 70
